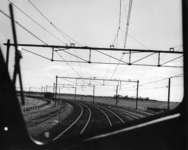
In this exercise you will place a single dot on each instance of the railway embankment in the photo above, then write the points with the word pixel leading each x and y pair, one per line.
pixel 33 103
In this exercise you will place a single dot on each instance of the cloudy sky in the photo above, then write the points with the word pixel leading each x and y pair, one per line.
pixel 154 25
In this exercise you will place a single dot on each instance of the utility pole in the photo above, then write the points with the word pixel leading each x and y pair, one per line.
pixel 137 94
pixel 119 85
pixel 53 89
pixel 44 91
pixel 29 90
pixel 116 95
pixel 41 91
pixel 46 88
pixel 54 93
pixel 169 81
pixel 75 94
pixel 93 93
pixel 59 92
pixel 56 88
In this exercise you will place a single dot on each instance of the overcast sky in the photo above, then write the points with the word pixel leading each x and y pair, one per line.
pixel 154 25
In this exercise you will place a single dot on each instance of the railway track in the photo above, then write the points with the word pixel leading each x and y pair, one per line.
pixel 85 120
pixel 88 117
pixel 112 116
pixel 135 115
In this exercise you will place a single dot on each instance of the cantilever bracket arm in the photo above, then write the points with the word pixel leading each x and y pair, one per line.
pixel 171 60
pixel 143 58
pixel 98 79
pixel 111 57
pixel 71 54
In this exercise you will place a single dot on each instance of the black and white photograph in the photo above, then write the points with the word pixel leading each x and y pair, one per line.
pixel 93 74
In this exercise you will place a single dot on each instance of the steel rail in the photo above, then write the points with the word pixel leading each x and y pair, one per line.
pixel 103 113
pixel 112 113
pixel 109 111
pixel 146 113
pixel 128 113
pixel 144 124
pixel 133 113
pixel 70 125
pixel 87 120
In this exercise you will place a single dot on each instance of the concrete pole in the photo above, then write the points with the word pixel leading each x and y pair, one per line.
pixel 59 92
pixel 116 95
pixel 75 94
pixel 137 95
pixel 54 93
pixel 44 91
pixel 29 90
pixel 41 91
pixel 53 89
pixel 93 93
pixel 56 88
pixel 168 106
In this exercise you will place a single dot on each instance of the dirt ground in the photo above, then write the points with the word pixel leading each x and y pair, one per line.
pixel 41 120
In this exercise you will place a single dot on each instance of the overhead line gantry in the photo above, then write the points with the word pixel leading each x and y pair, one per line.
pixel 119 82
pixel 100 49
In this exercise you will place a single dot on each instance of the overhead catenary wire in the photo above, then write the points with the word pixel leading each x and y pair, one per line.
pixel 151 67
pixel 178 75
pixel 59 30
pixel 35 53
pixel 36 38
pixel 160 80
pixel 128 21
pixel 24 28
pixel 36 22
pixel 63 33
pixel 172 60
pixel 44 30
pixel 69 65
pixel 134 39
pixel 47 20
pixel 52 23
pixel 116 37
pixel 126 33
pixel 160 87
pixel 127 27
pixel 177 46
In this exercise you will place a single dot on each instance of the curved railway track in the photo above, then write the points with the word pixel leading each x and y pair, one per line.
pixel 110 114
pixel 135 115
pixel 88 117
pixel 71 125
